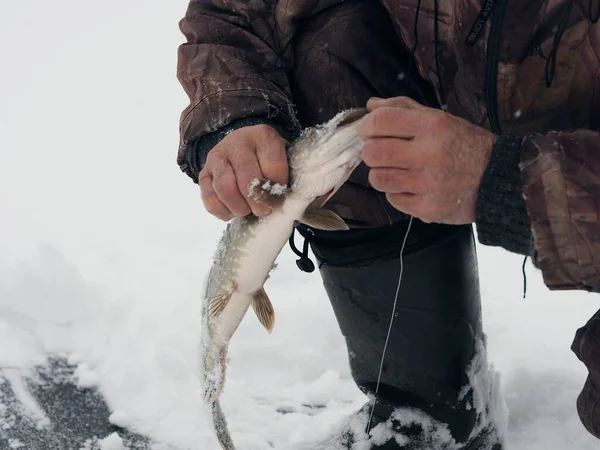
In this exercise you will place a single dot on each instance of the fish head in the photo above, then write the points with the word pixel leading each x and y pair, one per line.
pixel 323 157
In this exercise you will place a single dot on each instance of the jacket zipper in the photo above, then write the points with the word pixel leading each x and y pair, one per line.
pixel 491 70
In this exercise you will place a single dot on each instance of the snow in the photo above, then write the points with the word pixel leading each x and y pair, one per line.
pixel 112 442
pixel 120 419
pixel 104 248
pixel 85 377
pixel 15 444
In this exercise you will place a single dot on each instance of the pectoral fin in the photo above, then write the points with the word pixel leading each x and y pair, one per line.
pixel 218 304
pixel 267 192
pixel 264 309
pixel 323 219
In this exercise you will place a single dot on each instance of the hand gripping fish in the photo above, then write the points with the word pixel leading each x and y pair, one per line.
pixel 320 161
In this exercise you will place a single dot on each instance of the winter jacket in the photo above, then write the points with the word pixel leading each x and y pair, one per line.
pixel 527 70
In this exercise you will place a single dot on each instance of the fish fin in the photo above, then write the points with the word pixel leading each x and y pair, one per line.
pixel 323 219
pixel 218 303
pixel 319 202
pixel 267 192
pixel 264 309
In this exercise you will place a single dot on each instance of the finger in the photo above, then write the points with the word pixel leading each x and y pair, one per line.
pixel 398 102
pixel 407 203
pixel 272 158
pixel 395 122
pixel 211 202
pixel 397 181
pixel 246 168
pixel 391 152
pixel 226 187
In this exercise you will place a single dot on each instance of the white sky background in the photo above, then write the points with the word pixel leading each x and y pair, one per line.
pixel 89 110
pixel 88 128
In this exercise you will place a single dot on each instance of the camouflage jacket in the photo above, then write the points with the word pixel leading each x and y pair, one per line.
pixel 525 68
pixel 534 71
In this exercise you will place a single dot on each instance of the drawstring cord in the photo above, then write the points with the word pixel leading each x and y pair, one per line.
pixel 305 264
pixel 593 17
pixel 562 27
pixel 524 277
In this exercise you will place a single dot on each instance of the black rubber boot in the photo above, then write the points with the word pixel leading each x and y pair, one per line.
pixel 435 335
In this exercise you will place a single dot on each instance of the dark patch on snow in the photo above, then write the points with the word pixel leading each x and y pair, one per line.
pixel 78 418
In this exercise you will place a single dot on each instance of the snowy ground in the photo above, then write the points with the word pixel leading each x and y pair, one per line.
pixel 104 246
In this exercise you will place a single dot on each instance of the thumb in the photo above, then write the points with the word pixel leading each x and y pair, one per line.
pixel 398 102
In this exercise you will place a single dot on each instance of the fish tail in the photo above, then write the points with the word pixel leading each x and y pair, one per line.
pixel 221 428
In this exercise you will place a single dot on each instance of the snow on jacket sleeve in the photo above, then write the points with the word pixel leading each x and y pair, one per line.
pixel 233 66
pixel 561 187
pixel 235 62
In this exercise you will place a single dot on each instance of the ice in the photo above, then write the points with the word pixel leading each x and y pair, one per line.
pixel 104 248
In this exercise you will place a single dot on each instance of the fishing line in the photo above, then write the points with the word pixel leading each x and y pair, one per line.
pixel 389 333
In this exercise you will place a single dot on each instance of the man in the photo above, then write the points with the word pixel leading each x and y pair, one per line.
pixel 482 112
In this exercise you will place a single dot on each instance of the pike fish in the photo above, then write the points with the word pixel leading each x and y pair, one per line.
pixel 320 161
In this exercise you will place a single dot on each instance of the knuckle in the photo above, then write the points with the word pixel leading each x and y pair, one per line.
pixel 371 123
pixel 266 133
pixel 378 118
pixel 232 145
pixel 203 174
pixel 212 205
pixel 215 157
pixel 226 187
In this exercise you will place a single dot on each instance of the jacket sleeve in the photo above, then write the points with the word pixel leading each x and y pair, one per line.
pixel 234 65
pixel 560 174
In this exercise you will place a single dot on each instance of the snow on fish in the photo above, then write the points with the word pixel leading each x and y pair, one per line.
pixel 320 161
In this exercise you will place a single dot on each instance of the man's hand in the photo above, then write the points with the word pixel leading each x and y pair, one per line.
pixel 428 162
pixel 243 155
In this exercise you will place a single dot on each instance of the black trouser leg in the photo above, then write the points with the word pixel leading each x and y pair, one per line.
pixel 343 56
pixel 436 326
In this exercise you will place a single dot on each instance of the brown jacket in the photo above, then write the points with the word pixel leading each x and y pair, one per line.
pixel 534 71
pixel 238 54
